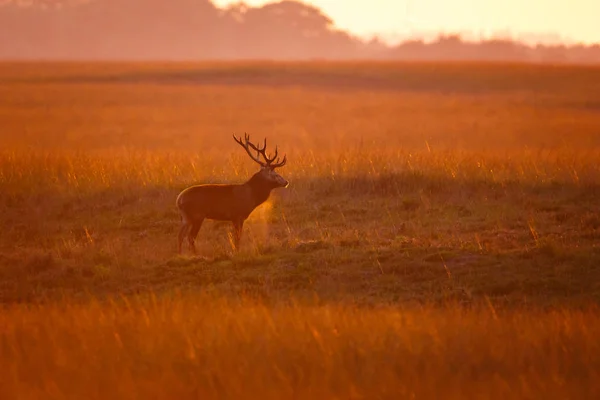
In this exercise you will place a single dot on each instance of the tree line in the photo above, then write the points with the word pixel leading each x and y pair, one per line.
pixel 198 30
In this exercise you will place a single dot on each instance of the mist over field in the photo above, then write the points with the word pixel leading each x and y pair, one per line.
pixel 198 30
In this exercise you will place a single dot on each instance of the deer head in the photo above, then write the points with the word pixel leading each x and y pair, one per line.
pixel 267 167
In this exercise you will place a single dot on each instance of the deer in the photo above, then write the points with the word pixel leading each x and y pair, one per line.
pixel 229 202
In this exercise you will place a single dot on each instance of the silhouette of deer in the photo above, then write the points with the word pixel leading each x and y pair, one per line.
pixel 229 202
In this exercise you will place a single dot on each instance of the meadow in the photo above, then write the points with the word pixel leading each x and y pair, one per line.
pixel 439 234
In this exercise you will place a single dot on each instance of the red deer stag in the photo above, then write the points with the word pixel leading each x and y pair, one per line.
pixel 229 202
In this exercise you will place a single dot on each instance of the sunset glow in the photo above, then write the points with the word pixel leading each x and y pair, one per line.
pixel 535 20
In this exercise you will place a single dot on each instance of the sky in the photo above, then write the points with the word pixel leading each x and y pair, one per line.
pixel 529 20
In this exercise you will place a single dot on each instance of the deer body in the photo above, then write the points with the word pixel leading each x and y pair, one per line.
pixel 227 202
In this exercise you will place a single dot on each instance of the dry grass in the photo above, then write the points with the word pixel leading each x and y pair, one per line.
pixel 439 234
pixel 372 226
pixel 190 346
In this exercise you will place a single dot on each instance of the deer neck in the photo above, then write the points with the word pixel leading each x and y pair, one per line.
pixel 260 189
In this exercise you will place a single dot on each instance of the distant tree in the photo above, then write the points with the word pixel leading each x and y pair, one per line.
pixel 287 29
pixel 304 18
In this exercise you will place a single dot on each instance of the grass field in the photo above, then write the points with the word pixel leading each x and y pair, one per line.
pixel 439 234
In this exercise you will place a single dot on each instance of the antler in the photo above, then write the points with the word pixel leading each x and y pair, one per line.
pixel 260 151
pixel 245 146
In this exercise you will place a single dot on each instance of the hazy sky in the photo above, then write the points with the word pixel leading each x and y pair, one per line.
pixel 572 20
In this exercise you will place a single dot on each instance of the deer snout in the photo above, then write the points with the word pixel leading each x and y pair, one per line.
pixel 281 181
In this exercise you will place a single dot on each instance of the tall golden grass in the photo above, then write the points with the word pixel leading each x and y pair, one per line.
pixel 68 171
pixel 199 346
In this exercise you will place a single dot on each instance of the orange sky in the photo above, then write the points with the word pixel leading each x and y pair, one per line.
pixel 572 20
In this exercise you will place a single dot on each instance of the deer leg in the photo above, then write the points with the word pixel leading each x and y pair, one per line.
pixel 185 226
pixel 237 233
pixel 195 228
